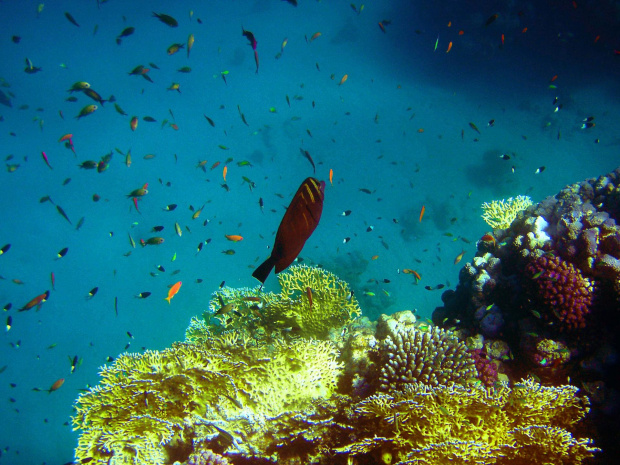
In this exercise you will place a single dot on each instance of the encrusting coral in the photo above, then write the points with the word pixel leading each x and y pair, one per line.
pixel 499 214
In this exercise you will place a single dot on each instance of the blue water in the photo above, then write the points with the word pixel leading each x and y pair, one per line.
pixel 366 130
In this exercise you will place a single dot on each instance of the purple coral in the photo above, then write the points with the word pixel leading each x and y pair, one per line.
pixel 486 367
pixel 206 457
pixel 562 291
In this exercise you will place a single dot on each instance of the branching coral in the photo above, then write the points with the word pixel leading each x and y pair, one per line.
pixel 499 214
pixel 332 304
pixel 561 290
pixel 433 357
pixel 529 423
pixel 149 405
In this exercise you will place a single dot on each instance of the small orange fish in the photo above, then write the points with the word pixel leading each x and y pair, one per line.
pixel 449 23
pixel 489 239
pixel 413 272
pixel 374 257
pixel 554 78
pixel 65 137
pixel 224 172
pixel 316 35
pixel 343 80
pixel 174 126
pixel 38 300
pixel 309 294
pixel 595 39
pixel 382 27
pixel 190 43
pixel 173 291
pixel 133 124
pixel 502 39
pixel 422 212
pixel 524 30
pixel 420 131
pixel 56 385
pixel 215 165
pixel 449 47
pixel 331 176
pixel 233 237
pixel 459 257
pixel 461 32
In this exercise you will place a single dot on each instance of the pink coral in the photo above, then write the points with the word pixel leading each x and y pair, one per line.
pixel 562 292
pixel 486 367
pixel 206 457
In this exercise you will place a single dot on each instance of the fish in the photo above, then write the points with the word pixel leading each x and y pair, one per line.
pixel 62 253
pixel 30 68
pixel 125 33
pixel 174 48
pixel 57 384
pixel 64 215
pixel 190 43
pixel 143 295
pixel 5 249
pixel 170 207
pixel 47 162
pixel 92 292
pixel 459 257
pixel 209 120
pixel 449 47
pixel 233 237
pixel 306 154
pixel 224 172
pixel 491 19
pixel 87 110
pixel 133 123
pixel 343 80
pixel 166 19
pixel 316 35
pixel 331 176
pixel 299 222
pixel 36 302
pixel 540 170
pixel 250 37
pixel 71 19
pixel 422 212
pixel 474 127
pixel 139 192
pixel 173 291
pixel 152 241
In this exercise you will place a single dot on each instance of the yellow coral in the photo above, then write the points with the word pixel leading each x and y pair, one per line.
pixel 333 304
pixel 149 404
pixel 499 214
pixel 475 424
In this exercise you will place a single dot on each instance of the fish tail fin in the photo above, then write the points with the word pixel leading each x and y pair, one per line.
pixel 264 269
pixel 168 299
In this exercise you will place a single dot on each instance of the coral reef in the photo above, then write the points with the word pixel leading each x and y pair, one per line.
pixel 547 287
pixel 311 303
pixel 398 391
pixel 456 424
pixel 500 213
pixel 434 357
pixel 149 408
pixel 561 290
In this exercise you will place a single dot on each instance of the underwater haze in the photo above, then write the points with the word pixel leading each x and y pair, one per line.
pixel 420 110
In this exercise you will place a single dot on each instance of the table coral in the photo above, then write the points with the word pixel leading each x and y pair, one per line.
pixel 499 214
